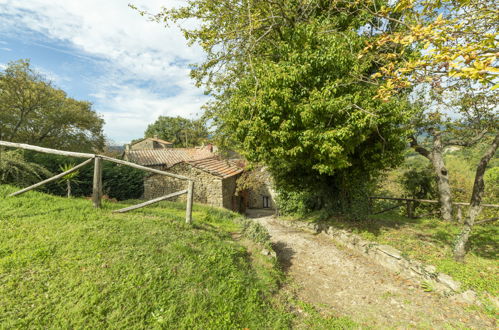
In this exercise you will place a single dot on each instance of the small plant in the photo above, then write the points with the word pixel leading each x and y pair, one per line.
pixel 70 177
pixel 427 286
pixel 256 232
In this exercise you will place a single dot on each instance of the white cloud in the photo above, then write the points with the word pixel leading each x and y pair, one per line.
pixel 132 50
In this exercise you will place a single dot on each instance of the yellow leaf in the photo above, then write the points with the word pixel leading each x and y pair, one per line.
pixel 495 86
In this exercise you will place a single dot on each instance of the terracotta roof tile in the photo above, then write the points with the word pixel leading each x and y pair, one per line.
pixel 218 167
pixel 167 157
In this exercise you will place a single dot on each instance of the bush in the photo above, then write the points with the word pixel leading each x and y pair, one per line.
pixel 16 170
pixel 419 183
pixel 120 182
pixel 256 232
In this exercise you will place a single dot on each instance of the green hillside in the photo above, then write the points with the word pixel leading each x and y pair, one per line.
pixel 64 264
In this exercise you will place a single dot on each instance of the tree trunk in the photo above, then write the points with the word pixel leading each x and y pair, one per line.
pixel 475 204
pixel 444 192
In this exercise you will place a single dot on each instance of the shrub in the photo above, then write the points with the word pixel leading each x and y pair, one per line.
pixel 120 182
pixel 256 232
pixel 16 170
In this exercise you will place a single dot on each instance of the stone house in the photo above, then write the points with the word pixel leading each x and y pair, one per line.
pixel 263 195
pixel 214 178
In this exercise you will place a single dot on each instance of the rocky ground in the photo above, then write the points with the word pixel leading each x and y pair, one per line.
pixel 334 278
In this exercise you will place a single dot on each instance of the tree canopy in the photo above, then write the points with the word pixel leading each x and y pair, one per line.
pixel 289 87
pixel 180 131
pixel 451 41
pixel 35 112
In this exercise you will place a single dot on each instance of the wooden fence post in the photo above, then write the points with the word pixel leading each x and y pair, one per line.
pixel 190 197
pixel 409 209
pixel 97 186
pixel 460 214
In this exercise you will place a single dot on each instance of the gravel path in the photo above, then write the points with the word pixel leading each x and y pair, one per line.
pixel 336 278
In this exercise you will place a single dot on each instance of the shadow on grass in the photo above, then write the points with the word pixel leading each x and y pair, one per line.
pixel 284 255
pixel 374 224
pixel 484 241
pixel 42 213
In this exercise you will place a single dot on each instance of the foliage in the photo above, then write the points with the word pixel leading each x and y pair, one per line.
pixel 256 232
pixel 419 182
pixel 33 111
pixel 70 177
pixel 251 179
pixel 66 264
pixel 120 182
pixel 492 182
pixel 180 131
pixel 296 202
pixel 447 51
pixel 15 169
pixel 456 41
pixel 289 90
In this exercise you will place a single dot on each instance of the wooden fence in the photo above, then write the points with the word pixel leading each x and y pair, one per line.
pixel 409 204
pixel 97 178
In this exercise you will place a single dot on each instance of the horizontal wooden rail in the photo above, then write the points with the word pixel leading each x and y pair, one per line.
pixel 97 182
pixel 152 201
pixel 55 177
pixel 427 201
pixel 144 168
pixel 46 150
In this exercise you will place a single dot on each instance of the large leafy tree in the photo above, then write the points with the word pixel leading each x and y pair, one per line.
pixel 454 44
pixel 289 88
pixel 180 131
pixel 33 111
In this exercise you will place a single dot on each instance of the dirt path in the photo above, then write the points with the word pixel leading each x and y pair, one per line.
pixel 336 278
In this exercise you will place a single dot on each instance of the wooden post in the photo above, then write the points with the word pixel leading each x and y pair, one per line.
pixel 460 214
pixel 409 209
pixel 97 187
pixel 190 197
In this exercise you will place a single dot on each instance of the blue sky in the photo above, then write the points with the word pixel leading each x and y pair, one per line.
pixel 131 69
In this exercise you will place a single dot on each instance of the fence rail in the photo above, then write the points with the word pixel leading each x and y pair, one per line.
pixel 97 179
pixel 409 202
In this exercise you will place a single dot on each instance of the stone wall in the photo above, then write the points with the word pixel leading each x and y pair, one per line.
pixel 228 192
pixel 265 189
pixel 207 187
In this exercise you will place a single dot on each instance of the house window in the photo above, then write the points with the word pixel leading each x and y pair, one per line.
pixel 266 202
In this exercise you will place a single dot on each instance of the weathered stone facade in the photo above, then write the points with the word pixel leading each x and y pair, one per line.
pixel 208 188
pixel 257 195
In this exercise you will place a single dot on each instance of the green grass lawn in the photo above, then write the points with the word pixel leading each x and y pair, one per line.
pixel 64 264
pixel 430 240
